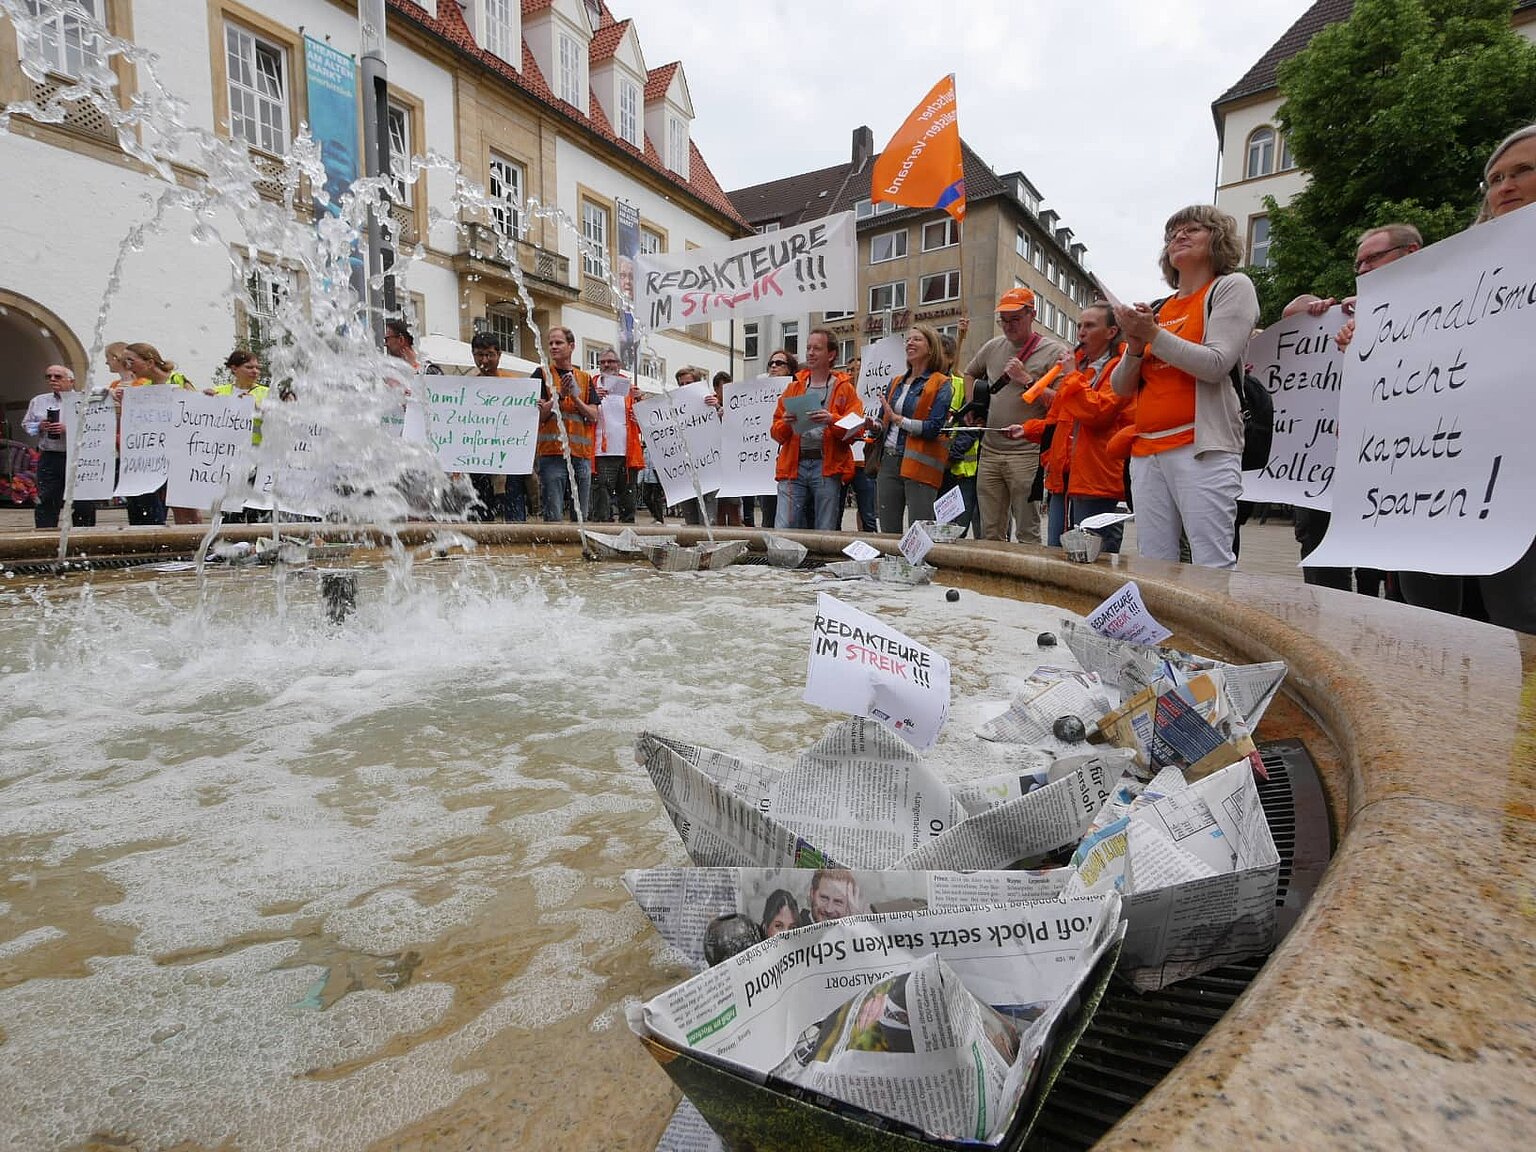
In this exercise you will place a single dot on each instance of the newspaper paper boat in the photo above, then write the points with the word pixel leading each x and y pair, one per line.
pixel 669 556
pixel 850 569
pixel 943 533
pixel 782 551
pixel 627 545
pixel 898 570
pixel 1081 545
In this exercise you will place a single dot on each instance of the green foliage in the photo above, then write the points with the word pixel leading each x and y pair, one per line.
pixel 1392 113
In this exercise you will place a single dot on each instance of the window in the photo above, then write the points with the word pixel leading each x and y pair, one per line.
pixel 943 233
pixel 258 90
pixel 950 330
pixel 594 227
pixel 1050 271
pixel 771 226
pixel 400 151
pixel 501 20
pixel 939 287
pixel 652 370
pixel 506 327
pixel 887 246
pixel 629 113
pixel 1038 257
pixel 69 45
pixel 789 336
pixel 836 315
pixel 677 145
pixel 1047 309
pixel 265 288
pixel 888 297
pixel 1020 282
pixel 864 209
pixel 749 340
pixel 1071 332
pixel 1286 163
pixel 506 193
pixel 846 351
pixel 1258 241
pixel 1021 243
pixel 572 71
pixel 1261 153
pixel 651 241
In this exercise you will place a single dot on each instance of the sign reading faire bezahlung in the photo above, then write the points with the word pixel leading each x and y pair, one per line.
pixel 809 268
pixel 1435 469
pixel 1302 369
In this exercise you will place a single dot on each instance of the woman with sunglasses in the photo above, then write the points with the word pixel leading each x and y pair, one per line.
pixel 1186 459
pixel 786 364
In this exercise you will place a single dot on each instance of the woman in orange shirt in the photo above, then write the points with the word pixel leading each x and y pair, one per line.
pixel 1186 462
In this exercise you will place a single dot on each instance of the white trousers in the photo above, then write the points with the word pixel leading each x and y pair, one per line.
pixel 1178 492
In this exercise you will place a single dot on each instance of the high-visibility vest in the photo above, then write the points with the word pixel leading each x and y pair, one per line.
pixel 966 465
pixel 257 393
pixel 926 460
pixel 577 430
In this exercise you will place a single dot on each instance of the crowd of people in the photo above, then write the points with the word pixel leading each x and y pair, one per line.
pixel 1145 410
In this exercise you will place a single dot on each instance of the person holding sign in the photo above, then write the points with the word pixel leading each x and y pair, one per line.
pixel 1186 460
pixel 620 446
pixel 914 410
pixel 45 421
pixel 244 369
pixel 814 458
pixel 570 388
pixel 149 367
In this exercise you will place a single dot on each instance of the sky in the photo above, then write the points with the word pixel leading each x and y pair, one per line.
pixel 1105 106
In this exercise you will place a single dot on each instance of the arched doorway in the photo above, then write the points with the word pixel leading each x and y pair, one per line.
pixel 31 338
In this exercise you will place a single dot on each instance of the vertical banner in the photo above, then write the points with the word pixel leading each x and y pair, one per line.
pixel 880 363
pixel 484 424
pixel 1302 369
pixel 808 268
pixel 92 424
pixel 627 219
pixel 332 94
pixel 749 451
pixel 1435 469
pixel 208 443
pixel 668 421
pixel 145 428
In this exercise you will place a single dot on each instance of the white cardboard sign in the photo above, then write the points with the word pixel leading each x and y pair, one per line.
pixel 949 506
pixel 668 422
pixel 1125 617
pixel 484 424
pixel 146 419
pixel 92 425
pixel 748 450
pixel 916 543
pixel 208 444
pixel 879 364
pixel 1302 370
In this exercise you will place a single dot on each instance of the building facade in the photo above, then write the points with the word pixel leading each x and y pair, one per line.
pixel 1253 159
pixel 549 104
pixel 913 266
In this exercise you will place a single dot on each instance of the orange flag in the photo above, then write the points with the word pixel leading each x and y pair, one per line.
pixel 921 167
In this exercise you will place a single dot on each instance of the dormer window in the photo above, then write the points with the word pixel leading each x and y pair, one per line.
pixel 573 70
pixel 629 113
pixel 501 32
pixel 677 145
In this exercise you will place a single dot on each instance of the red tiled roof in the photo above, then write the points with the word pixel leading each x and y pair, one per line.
pixel 449 25
pixel 534 7
pixel 1262 76
pixel 605 41
pixel 658 80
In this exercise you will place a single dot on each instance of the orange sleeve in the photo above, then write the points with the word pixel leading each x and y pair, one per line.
pixel 1119 445
pixel 783 428
pixel 1035 429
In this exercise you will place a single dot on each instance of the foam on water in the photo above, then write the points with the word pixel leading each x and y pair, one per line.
pixel 340 862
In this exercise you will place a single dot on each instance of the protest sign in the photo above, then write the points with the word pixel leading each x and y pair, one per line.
pixel 861 550
pixel 915 544
pixel 949 506
pixel 208 444
pixel 861 666
pixel 808 268
pixel 1103 520
pixel 92 425
pixel 748 450
pixel 1434 471
pixel 292 469
pixel 1124 617
pixel 145 427
pixel 681 429
pixel 1301 368
pixel 879 364
pixel 484 424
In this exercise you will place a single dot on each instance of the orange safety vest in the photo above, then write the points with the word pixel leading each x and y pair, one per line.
pixel 836 455
pixel 1165 403
pixel 580 434
pixel 922 460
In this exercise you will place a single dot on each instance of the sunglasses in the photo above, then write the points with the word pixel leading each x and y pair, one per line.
pixel 778 363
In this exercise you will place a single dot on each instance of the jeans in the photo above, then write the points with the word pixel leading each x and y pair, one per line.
pixel 810 500
pixel 555 486
pixel 147 509
pixel 517 499
pixel 1055 518
pixel 1179 492
pixel 864 486
pixel 1081 507
pixel 613 498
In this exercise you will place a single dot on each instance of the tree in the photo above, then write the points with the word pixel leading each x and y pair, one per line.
pixel 1392 113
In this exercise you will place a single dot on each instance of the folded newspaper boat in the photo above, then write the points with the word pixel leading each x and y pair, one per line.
pixel 902 1030
pixel 943 533
pixel 885 569
pixel 624 545
pixel 782 551
pixel 669 556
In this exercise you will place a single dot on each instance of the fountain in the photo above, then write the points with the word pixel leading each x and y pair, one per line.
pixel 275 884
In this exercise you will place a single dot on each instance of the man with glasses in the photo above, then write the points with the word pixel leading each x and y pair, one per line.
pixel 1376 248
pixel 45 421
pixel 1007 365
pixel 619 453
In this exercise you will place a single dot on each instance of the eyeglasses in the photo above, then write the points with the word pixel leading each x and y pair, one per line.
pixel 1183 230
pixel 1369 261
pixel 778 363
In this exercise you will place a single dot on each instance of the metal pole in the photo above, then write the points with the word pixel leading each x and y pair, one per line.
pixel 374 73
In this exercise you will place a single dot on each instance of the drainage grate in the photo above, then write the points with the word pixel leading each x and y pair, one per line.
pixel 92 564
pixel 1135 1038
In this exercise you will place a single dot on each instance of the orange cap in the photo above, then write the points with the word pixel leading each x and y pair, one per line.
pixel 1015 299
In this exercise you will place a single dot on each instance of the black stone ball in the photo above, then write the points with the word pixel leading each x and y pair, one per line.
pixel 1046 640
pixel 728 935
pixel 952 595
pixel 1069 730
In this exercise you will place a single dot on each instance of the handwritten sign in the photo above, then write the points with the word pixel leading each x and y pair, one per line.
pixel 916 543
pixel 948 506
pixel 1435 469
pixel 749 452
pixel 293 469
pixel 484 424
pixel 145 426
pixel 809 268
pixel 861 550
pixel 863 667
pixel 1125 617
pixel 1302 370
pixel 681 430
pixel 91 438
pixel 208 442
pixel 879 364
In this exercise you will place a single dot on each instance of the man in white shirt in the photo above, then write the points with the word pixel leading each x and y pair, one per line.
pixel 45 421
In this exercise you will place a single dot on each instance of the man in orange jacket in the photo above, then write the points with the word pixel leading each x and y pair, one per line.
pixel 1083 475
pixel 815 460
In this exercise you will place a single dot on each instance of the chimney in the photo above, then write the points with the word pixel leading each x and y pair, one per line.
pixel 863 146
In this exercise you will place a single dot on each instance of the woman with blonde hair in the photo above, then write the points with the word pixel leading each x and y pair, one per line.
pixel 1186 459
pixel 149 367
pixel 914 449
